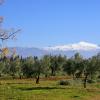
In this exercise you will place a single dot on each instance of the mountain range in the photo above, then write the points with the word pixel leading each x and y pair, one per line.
pixel 84 48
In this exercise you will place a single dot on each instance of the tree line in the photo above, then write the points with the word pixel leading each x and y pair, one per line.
pixel 76 67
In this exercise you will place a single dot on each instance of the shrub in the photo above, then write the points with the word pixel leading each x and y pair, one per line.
pixel 99 76
pixel 64 82
pixel 98 80
pixel 91 81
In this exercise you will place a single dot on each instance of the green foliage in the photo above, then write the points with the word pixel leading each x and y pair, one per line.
pixel 49 65
pixel 91 81
pixel 46 90
pixel 64 82
pixel 27 67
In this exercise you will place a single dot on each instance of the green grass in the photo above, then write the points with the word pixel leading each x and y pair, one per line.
pixel 46 90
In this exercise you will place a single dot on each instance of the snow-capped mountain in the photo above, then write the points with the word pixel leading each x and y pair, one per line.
pixel 84 46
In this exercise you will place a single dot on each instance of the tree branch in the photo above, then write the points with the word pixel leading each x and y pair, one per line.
pixel 10 35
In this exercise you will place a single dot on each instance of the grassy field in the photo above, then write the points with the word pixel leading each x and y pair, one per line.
pixel 26 89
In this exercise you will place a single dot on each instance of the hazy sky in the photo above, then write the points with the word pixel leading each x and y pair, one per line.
pixel 52 22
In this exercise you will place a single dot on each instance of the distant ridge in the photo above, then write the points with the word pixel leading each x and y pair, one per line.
pixel 84 48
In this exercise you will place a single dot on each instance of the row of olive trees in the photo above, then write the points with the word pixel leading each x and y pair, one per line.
pixel 83 68
pixel 31 66
pixel 48 65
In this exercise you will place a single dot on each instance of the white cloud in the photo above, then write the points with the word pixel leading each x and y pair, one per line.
pixel 76 46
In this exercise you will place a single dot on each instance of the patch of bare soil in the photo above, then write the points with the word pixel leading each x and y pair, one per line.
pixel 95 98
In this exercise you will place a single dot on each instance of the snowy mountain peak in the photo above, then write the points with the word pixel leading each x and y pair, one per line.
pixel 85 46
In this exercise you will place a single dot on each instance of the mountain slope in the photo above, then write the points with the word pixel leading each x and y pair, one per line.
pixel 76 46
pixel 84 48
pixel 26 52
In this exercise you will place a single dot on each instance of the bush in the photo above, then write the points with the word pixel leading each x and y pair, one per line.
pixel 99 76
pixel 98 80
pixel 91 81
pixel 64 82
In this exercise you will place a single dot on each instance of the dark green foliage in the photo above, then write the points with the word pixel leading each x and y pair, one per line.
pixel 64 82
pixel 69 67
pixel 99 76
pixel 27 67
pixel 37 69
pixel 34 67
pixel 90 81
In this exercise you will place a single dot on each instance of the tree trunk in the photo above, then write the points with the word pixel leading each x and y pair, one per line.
pixel 52 72
pixel 13 76
pixel 85 81
pixel 20 76
pixel 46 75
pixel 37 79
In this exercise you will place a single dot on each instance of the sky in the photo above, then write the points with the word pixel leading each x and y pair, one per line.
pixel 52 22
